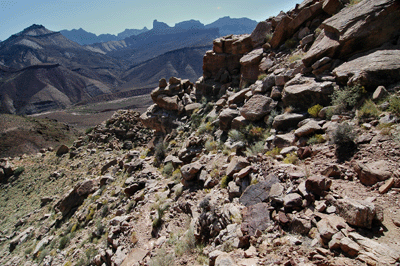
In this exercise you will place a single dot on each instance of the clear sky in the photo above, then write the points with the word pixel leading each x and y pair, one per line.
pixel 111 16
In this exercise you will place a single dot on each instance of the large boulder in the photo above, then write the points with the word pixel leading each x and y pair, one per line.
pixel 76 196
pixel 226 117
pixel 256 107
pixel 377 68
pixel 237 163
pixel 190 171
pixel 259 192
pixel 304 92
pixel 355 212
pixel 371 173
pixel 249 64
pixel 318 184
pixel 307 129
pixel 260 32
pixel 370 23
pixel 287 120
pixel 255 217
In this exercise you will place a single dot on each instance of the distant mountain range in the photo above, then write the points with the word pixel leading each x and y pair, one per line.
pixel 42 70
pixel 226 26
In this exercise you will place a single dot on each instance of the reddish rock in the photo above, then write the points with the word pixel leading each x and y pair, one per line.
pixel 256 108
pixel 318 184
pixel 255 217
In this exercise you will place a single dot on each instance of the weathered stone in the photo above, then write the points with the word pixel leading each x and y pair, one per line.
pixel 332 6
pixel 259 192
pixel 287 150
pixel 133 188
pixel 238 97
pixel 374 69
pixel 225 260
pixel 239 122
pixel 357 213
pixel 309 128
pixel 388 185
pixel 281 32
pixel 190 171
pixel 318 184
pixel 380 93
pixel 349 247
pixel 76 196
pixel 301 226
pixel 255 217
pixel 265 65
pixel 341 34
pixel 226 117
pixel 162 83
pixel 287 120
pixel 305 92
pixel 371 173
pixel 63 149
pixel 259 33
pixel 256 108
pixel 237 163
pixel 233 190
pixel 292 200
pixel 135 256
pixel 380 253
pixel 326 230
pixel 108 165
pixel 284 140
pixel 250 63
pixel 190 108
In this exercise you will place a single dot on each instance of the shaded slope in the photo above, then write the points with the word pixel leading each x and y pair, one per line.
pixel 185 63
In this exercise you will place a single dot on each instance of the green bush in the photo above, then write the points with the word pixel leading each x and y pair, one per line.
pixel 63 242
pixel 262 76
pixel 291 158
pixel 291 43
pixel 225 181
pixel 394 105
pixel 271 118
pixel 168 169
pixel 160 152
pixel 369 109
pixel 317 138
pixel 268 37
pixel 210 145
pixel 343 134
pixel 162 258
pixel 275 151
pixel 18 171
pixel 314 111
pixel 187 244
pixel 347 98
pixel 235 135
pixel 255 149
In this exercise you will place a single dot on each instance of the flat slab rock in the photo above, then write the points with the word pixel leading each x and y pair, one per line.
pixel 255 217
pixel 258 193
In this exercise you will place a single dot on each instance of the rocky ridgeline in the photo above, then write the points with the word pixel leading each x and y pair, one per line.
pixel 251 161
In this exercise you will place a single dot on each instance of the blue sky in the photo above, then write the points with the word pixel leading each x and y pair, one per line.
pixel 112 16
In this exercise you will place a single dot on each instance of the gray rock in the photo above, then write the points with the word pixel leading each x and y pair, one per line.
pixel 309 128
pixel 259 192
pixel 292 200
pixel 371 173
pixel 190 171
pixel 356 213
pixel 255 217
pixel 287 120
pixel 257 107
pixel 237 164
pixel 226 117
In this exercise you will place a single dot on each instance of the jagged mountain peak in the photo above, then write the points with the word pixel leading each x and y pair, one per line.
pixel 160 25
pixel 34 30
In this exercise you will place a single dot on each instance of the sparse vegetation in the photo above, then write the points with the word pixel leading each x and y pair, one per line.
pixel 168 169
pixel 369 109
pixel 255 149
pixel 262 76
pixel 394 105
pixel 225 181
pixel 235 135
pixel 347 98
pixel 317 138
pixel 291 158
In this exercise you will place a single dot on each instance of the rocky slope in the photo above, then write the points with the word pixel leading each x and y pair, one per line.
pixel 296 166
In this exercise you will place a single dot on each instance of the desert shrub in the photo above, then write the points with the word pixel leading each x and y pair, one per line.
pixel 347 98
pixel 42 254
pixel 210 145
pixel 187 243
pixel 394 105
pixel 160 152
pixel 291 43
pixel 317 138
pixel 63 242
pixel 344 133
pixel 162 258
pixel 17 172
pixel 158 220
pixel 253 133
pixel 134 238
pixel 74 227
pixel 344 138
pixel 225 181
pixel 268 37
pixel 90 215
pixel 255 149
pixel 262 76
pixel 176 175
pixel 28 250
pixel 196 119
pixel 90 253
pixel 317 32
pixel 168 169
pixel 68 263
pixel 369 109
pixel 131 205
pixel 104 210
pixel 271 118
pixel 296 57
pixel 314 111
pixel 88 130
pixel 235 135
pixel 275 151
pixel 178 192
pixel 353 2
pixel 291 158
